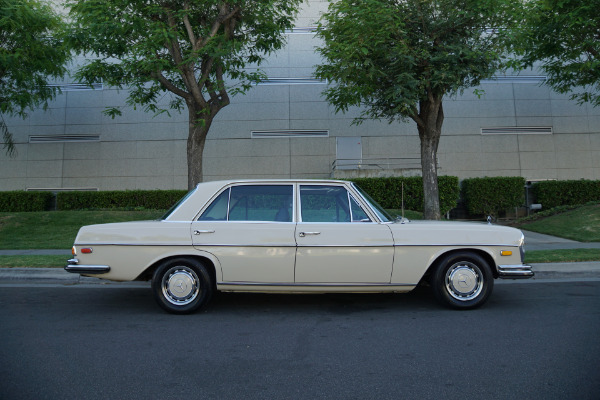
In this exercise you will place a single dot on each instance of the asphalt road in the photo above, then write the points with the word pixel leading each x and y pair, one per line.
pixel 532 340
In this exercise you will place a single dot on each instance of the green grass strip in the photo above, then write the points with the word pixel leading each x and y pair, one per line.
pixel 57 229
pixel 33 261
pixel 563 255
pixel 581 224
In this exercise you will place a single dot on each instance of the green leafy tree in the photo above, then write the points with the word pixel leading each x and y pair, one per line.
pixel 202 51
pixel 398 59
pixel 563 36
pixel 30 56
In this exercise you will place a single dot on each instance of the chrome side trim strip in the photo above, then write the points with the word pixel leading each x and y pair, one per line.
pixel 135 244
pixel 196 245
pixel 462 245
pixel 319 285
pixel 455 245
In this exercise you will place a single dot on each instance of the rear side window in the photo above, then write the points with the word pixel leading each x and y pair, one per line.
pixel 270 203
pixel 217 211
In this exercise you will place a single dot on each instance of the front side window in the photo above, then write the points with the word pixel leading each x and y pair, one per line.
pixel 271 203
pixel 380 211
pixel 358 214
pixel 329 204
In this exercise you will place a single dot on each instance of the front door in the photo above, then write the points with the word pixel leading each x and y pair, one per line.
pixel 337 240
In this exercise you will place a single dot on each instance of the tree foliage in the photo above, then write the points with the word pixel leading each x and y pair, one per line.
pixel 30 56
pixel 563 36
pixel 202 51
pixel 398 59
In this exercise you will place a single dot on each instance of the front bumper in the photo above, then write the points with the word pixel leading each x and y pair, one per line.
pixel 515 271
pixel 74 267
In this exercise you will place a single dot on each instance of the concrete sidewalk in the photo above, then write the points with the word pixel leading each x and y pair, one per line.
pixel 538 241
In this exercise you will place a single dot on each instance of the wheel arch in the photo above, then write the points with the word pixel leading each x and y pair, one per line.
pixel 478 251
pixel 208 262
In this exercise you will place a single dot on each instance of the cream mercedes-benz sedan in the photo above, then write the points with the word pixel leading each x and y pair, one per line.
pixel 296 236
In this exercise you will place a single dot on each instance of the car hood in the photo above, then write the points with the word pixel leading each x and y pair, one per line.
pixel 454 233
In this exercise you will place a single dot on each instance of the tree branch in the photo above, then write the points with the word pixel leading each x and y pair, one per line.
pixel 169 85
pixel 188 26
pixel 186 69
pixel 414 115
pixel 224 16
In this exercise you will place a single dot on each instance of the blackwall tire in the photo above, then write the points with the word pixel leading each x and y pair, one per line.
pixel 182 285
pixel 462 281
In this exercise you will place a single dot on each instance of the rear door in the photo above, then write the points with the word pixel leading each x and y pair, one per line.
pixel 250 229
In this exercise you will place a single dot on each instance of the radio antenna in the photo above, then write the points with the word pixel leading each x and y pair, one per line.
pixel 402 201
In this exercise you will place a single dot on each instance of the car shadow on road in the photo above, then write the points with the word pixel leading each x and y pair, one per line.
pixel 139 300
pixel 336 303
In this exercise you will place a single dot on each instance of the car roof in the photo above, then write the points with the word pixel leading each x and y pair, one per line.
pixel 205 191
pixel 245 180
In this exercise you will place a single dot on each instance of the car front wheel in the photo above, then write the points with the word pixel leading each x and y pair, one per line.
pixel 462 281
pixel 182 285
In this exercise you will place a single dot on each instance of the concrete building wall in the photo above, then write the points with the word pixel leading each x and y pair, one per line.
pixel 85 149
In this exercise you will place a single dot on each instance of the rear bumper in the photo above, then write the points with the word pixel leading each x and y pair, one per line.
pixel 74 267
pixel 515 271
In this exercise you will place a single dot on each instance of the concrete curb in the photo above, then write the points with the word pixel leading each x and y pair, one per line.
pixel 47 275
pixel 589 269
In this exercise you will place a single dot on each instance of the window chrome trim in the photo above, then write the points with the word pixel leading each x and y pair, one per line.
pixel 240 184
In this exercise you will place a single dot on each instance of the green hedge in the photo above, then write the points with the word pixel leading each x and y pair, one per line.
pixel 148 199
pixel 552 194
pixel 19 201
pixel 490 196
pixel 388 192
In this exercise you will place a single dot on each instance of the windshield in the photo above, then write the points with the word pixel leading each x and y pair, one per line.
pixel 380 211
pixel 174 207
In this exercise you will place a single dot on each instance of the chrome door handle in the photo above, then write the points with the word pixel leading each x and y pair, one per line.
pixel 303 234
pixel 199 232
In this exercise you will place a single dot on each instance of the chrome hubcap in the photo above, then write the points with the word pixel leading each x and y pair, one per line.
pixel 464 281
pixel 180 285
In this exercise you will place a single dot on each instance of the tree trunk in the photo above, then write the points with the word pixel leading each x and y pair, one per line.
pixel 195 143
pixel 429 124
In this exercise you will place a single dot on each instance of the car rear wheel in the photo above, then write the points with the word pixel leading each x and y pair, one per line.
pixel 462 281
pixel 182 285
